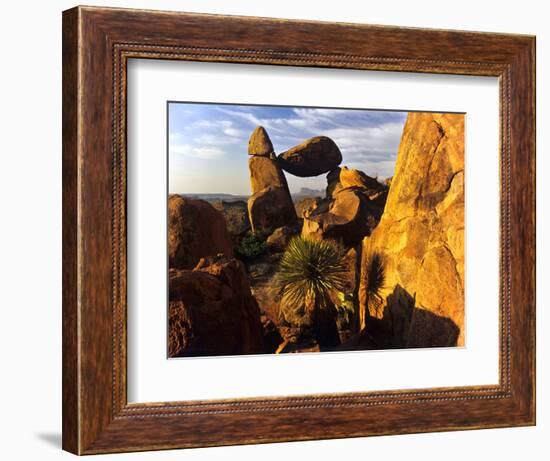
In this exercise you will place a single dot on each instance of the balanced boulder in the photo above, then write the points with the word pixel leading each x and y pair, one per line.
pixel 313 157
pixel 212 311
pixel 195 229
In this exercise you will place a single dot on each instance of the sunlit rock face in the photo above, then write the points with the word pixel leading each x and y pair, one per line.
pixel 420 238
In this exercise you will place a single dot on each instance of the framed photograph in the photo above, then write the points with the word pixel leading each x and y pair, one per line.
pixel 282 230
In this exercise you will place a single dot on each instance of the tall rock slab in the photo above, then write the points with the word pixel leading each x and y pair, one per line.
pixel 420 238
pixel 270 205
pixel 264 173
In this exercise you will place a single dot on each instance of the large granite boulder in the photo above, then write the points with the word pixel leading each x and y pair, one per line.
pixel 212 311
pixel 195 229
pixel 313 157
pixel 420 237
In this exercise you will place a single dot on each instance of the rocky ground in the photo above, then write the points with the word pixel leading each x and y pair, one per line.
pixel 224 256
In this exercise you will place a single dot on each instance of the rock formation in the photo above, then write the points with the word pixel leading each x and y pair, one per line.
pixel 351 210
pixel 195 229
pixel 313 157
pixel 345 178
pixel 270 205
pixel 344 218
pixel 420 238
pixel 212 311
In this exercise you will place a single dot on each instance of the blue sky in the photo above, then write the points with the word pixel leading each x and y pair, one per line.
pixel 208 142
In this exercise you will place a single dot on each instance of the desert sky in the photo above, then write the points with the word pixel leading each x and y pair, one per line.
pixel 207 143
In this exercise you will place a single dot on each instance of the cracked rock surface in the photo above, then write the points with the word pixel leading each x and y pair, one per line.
pixel 421 236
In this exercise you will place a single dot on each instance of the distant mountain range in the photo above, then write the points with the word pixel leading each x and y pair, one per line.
pixel 306 191
pixel 303 192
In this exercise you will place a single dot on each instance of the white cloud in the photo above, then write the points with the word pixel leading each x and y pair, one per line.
pixel 380 140
pixel 205 153
pixel 213 124
pixel 233 132
pixel 243 115
pixel 225 126
pixel 215 140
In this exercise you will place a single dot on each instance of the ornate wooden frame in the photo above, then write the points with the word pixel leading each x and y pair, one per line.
pixel 97 43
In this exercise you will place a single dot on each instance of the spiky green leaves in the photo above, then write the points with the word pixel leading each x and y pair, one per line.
pixel 374 279
pixel 310 273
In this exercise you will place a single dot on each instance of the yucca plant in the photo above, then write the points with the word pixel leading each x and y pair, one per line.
pixel 311 273
pixel 374 277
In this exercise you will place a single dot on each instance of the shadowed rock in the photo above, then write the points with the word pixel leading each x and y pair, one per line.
pixel 236 218
pixel 195 229
pixel 212 311
pixel 270 208
pixel 272 335
pixel 278 240
pixel 403 324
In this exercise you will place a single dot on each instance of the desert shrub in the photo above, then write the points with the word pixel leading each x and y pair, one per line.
pixel 253 245
pixel 374 277
pixel 310 275
pixel 345 308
